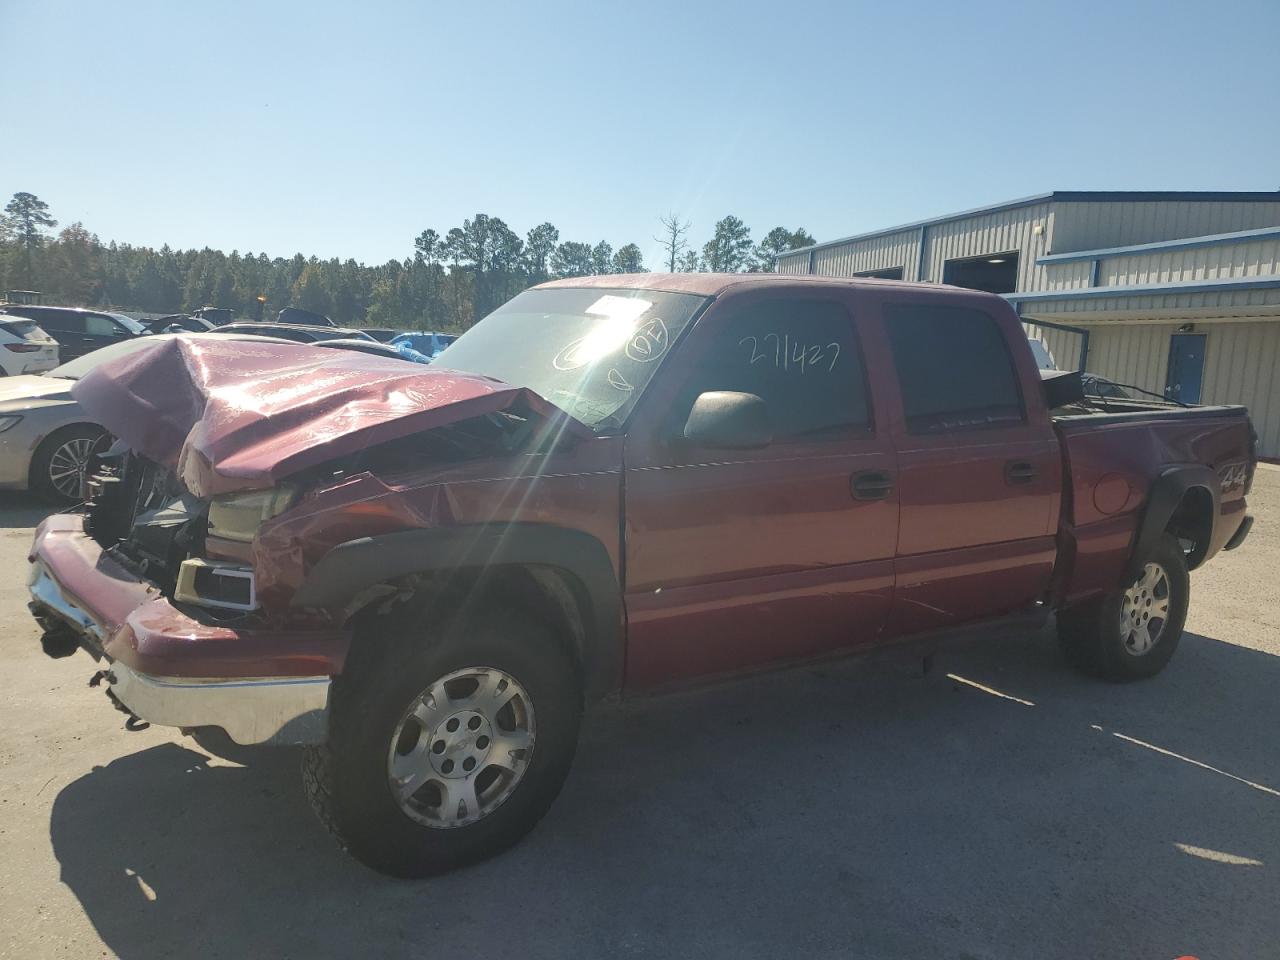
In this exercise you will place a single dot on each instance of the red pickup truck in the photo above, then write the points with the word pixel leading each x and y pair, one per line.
pixel 609 484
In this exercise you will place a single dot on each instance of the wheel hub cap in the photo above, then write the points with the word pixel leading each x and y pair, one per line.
pixel 461 748
pixel 1145 610
pixel 460 744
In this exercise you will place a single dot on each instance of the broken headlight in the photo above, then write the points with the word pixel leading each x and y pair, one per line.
pixel 237 516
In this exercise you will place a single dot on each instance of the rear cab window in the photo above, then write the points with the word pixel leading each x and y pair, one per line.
pixel 800 356
pixel 954 369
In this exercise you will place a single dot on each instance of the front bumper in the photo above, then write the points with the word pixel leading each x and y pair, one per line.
pixel 172 668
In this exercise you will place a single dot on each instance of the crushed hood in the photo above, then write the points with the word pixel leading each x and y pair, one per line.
pixel 239 415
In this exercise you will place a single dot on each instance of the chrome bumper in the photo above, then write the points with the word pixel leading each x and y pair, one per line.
pixel 274 710
pixel 270 710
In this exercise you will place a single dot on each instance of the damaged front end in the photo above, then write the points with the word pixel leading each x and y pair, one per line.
pixel 238 466
pixel 180 636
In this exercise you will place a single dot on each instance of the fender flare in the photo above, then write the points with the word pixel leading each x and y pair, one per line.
pixel 1167 492
pixel 355 565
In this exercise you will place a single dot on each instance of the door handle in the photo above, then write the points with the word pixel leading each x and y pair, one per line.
pixel 871 485
pixel 1019 471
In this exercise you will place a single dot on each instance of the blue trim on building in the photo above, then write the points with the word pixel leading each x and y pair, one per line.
pixel 1268 282
pixel 1064 196
pixel 1138 249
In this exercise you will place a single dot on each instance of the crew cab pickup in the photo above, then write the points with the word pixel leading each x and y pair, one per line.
pixel 608 485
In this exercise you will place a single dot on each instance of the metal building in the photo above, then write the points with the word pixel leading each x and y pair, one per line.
pixel 1174 292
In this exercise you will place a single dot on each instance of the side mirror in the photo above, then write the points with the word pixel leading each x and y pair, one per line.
pixel 723 418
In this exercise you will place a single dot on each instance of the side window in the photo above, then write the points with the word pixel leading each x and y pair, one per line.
pixel 63 321
pixel 954 369
pixel 800 356
pixel 97 325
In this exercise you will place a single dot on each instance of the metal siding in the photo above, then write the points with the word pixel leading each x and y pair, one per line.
pixel 1252 259
pixel 1086 225
pixel 1072 311
pixel 1000 232
pixel 793 263
pixel 1242 364
pixel 874 253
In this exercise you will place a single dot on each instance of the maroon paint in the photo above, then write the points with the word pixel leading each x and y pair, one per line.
pixel 147 633
pixel 234 415
pixel 731 559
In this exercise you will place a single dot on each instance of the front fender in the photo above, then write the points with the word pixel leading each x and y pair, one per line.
pixel 354 566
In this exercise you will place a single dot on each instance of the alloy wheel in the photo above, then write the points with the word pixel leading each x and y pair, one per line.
pixel 462 747
pixel 68 464
pixel 1144 611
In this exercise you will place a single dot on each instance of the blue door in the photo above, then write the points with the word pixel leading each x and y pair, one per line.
pixel 1186 367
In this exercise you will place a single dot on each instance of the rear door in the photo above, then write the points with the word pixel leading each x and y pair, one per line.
pixel 736 558
pixel 978 464
pixel 65 326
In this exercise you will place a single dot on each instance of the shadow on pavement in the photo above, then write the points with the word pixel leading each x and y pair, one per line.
pixel 833 811
pixel 19 511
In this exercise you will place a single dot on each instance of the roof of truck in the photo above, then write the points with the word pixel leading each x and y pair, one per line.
pixel 714 284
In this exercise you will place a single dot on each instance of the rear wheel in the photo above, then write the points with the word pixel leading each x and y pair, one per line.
pixel 59 463
pixel 444 750
pixel 1132 633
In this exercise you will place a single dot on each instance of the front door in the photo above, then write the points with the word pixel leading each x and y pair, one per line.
pixel 737 558
pixel 1186 367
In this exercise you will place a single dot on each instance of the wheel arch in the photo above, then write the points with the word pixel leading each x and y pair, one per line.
pixel 566 575
pixel 1183 501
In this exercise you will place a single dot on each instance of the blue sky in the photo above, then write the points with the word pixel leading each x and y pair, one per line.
pixel 345 129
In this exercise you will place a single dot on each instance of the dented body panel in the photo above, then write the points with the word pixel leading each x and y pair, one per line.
pixel 228 415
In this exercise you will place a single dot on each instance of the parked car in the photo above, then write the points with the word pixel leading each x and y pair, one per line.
pixel 177 323
pixel 371 347
pixel 610 484
pixel 382 334
pixel 295 331
pixel 45 436
pixel 218 316
pixel 306 317
pixel 79 331
pixel 429 344
pixel 26 348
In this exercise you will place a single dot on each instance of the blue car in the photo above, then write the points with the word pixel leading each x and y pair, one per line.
pixel 429 345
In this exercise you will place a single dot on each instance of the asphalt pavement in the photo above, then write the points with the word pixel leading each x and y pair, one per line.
pixel 1001 807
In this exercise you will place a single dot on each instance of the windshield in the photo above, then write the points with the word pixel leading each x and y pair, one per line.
pixel 77 368
pixel 129 323
pixel 590 351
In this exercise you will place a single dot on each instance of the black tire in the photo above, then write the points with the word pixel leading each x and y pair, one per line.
pixel 1091 635
pixel 42 481
pixel 347 779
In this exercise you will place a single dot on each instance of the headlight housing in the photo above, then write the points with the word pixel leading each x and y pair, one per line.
pixel 237 516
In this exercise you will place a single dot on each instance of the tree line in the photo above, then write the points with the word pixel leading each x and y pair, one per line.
pixel 450 279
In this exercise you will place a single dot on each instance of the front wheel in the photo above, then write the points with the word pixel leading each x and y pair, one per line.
pixel 446 747
pixel 1132 633
pixel 58 466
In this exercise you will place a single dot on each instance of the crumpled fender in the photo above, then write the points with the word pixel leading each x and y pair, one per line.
pixel 229 415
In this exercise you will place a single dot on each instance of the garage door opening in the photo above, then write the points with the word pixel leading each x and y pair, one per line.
pixel 994 273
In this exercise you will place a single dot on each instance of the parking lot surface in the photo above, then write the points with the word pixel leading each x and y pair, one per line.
pixel 1000 807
